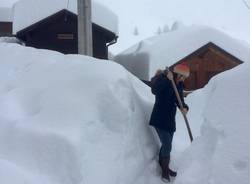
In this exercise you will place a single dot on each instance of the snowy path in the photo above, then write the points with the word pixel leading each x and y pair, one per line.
pixel 55 130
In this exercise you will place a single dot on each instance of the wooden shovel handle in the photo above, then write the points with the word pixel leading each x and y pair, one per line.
pixel 181 107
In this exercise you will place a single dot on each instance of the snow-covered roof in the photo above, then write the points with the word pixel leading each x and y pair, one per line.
pixel 5 14
pixel 144 58
pixel 28 12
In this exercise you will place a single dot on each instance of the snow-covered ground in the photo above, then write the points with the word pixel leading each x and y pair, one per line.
pixel 221 154
pixel 68 119
pixel 72 119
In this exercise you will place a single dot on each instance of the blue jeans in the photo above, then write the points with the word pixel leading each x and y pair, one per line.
pixel 166 142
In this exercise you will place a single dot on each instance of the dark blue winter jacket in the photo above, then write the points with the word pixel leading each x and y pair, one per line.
pixel 164 111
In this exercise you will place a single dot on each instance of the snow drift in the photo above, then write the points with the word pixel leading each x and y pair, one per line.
pixel 72 119
pixel 221 154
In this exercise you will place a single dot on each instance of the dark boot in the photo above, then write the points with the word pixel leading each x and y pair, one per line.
pixel 171 172
pixel 164 162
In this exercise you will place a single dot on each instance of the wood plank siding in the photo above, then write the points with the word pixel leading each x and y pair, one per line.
pixel 5 28
pixel 205 63
pixel 59 32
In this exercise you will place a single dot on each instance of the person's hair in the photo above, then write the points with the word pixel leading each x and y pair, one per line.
pixel 158 72
pixel 156 76
pixel 175 75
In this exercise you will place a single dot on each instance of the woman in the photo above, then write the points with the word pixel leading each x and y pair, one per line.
pixel 164 111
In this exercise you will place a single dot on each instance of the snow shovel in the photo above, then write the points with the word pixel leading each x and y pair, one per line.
pixel 181 108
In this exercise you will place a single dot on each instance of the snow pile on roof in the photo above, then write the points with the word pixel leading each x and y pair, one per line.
pixel 144 58
pixel 10 40
pixel 5 14
pixel 69 119
pixel 28 12
pixel 221 154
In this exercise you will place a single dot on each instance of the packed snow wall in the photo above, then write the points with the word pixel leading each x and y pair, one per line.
pixel 72 119
pixel 220 155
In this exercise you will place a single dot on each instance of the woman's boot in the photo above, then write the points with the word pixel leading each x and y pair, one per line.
pixel 171 172
pixel 164 163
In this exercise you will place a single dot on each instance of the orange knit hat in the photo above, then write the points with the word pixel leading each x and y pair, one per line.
pixel 182 69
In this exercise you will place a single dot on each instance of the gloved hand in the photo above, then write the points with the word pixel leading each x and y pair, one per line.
pixel 170 75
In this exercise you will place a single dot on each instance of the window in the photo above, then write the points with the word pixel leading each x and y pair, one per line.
pixel 65 36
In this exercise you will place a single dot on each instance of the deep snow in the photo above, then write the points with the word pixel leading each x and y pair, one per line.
pixel 145 57
pixel 221 154
pixel 72 119
pixel 54 131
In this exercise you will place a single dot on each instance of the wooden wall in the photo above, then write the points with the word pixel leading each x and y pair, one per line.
pixel 59 32
pixel 5 28
pixel 206 65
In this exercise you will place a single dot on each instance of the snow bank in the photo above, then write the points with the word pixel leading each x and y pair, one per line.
pixel 72 119
pixel 10 40
pixel 221 153
pixel 5 14
pixel 28 12
pixel 144 58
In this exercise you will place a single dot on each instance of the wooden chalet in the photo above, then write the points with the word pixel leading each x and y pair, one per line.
pixel 59 32
pixel 5 21
pixel 205 63
pixel 5 28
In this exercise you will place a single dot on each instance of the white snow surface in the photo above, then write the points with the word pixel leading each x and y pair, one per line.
pixel 7 3
pixel 10 40
pixel 221 154
pixel 28 12
pixel 5 14
pixel 73 119
pixel 145 57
